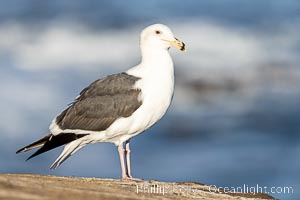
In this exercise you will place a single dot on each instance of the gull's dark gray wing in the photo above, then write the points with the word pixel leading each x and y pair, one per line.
pixel 101 103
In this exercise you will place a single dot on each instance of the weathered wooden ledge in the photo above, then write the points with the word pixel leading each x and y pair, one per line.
pixel 31 186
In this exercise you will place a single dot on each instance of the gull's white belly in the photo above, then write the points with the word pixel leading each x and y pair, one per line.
pixel 156 97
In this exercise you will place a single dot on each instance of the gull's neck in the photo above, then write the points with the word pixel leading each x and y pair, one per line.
pixel 154 61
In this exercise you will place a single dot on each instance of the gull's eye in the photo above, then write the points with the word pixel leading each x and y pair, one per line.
pixel 157 32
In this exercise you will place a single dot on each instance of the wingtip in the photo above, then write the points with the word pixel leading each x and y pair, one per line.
pixel 33 155
pixel 28 158
pixel 21 150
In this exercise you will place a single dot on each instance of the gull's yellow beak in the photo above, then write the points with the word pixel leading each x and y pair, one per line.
pixel 178 44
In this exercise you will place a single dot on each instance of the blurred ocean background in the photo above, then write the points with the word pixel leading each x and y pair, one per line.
pixel 235 116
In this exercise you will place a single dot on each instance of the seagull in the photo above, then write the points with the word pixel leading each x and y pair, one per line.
pixel 117 107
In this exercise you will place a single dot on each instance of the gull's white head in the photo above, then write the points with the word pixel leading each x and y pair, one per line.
pixel 159 36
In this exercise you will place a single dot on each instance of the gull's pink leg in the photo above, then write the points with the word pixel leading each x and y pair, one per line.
pixel 121 155
pixel 127 150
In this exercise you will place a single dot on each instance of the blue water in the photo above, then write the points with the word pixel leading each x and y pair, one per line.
pixel 232 136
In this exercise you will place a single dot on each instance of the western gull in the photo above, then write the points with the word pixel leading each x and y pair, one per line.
pixel 120 106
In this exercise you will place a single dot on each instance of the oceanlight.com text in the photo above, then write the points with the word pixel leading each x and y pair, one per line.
pixel 253 189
